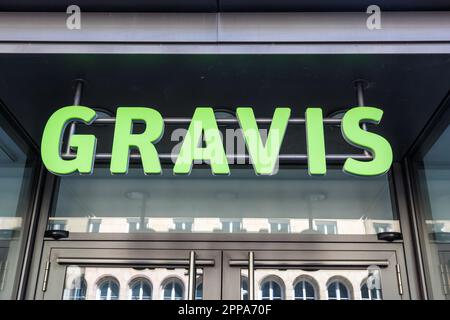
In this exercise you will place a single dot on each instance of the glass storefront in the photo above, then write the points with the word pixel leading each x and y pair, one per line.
pixel 291 202
pixel 16 178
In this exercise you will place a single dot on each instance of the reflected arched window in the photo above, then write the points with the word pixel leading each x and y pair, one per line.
pixel 304 290
pixel 108 289
pixel 140 289
pixel 337 290
pixel 173 290
pixel 271 290
pixel 244 288
pixel 199 288
pixel 372 294
pixel 77 290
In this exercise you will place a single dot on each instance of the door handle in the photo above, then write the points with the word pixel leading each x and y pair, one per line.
pixel 133 262
pixel 309 263
pixel 192 276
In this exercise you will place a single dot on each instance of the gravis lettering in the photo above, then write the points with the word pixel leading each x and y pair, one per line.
pixel 264 156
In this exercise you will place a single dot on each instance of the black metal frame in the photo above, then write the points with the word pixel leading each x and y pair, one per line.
pixel 417 191
pixel 13 128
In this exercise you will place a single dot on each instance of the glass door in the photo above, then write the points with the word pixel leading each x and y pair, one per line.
pixel 89 273
pixel 90 270
pixel 314 275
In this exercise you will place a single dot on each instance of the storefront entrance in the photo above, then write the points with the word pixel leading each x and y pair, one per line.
pixel 239 236
pixel 96 270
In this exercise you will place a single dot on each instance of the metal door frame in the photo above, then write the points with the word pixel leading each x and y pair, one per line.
pixel 391 263
pixel 219 275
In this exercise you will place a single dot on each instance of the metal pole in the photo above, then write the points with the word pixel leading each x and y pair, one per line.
pixel 234 157
pixel 192 275
pixel 360 99
pixel 251 275
pixel 299 121
pixel 76 102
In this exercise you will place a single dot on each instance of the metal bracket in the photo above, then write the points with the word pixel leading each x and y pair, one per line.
pixel 290 158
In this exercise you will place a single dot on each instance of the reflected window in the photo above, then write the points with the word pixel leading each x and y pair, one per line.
pixel 244 288
pixel 173 289
pixel 304 290
pixel 279 226
pixel 382 227
pixel 231 225
pixel 94 225
pixel 57 225
pixel 108 289
pixel 77 290
pixel 326 227
pixel 181 225
pixel 271 290
pixel 199 292
pixel 372 294
pixel 281 203
pixel 337 290
pixel 140 289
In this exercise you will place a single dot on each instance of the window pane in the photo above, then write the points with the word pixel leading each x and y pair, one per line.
pixel 332 291
pixel 265 291
pixel 16 177
pixel 321 284
pixel 289 202
pixel 276 290
pixel 141 290
pixel 138 284
pixel 199 292
pixel 365 292
pixel 244 288
pixel 343 291
pixel 309 290
pixel 433 173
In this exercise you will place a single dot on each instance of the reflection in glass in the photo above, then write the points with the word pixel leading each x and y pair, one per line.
pixel 105 283
pixel 108 289
pixel 199 291
pixel 244 288
pixel 321 284
pixel 337 290
pixel 289 202
pixel 372 294
pixel 271 290
pixel 433 176
pixel 173 290
pixel 140 289
pixel 304 290
pixel 16 175
pixel 76 290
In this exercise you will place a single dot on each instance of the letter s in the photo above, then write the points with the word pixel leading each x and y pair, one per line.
pixel 378 146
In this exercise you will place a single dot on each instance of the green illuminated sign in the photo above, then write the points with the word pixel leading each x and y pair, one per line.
pixel 203 127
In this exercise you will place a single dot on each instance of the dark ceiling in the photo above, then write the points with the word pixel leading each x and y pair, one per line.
pixel 223 5
pixel 408 88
